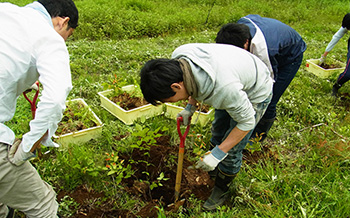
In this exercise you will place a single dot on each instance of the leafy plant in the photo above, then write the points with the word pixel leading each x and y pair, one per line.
pixel 146 137
pixel 68 206
pixel 76 117
pixel 115 168
pixel 158 183
pixel 254 144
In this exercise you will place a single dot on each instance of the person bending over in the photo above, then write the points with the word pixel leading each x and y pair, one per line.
pixel 32 43
pixel 226 77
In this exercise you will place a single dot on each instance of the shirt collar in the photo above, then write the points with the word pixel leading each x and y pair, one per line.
pixel 40 8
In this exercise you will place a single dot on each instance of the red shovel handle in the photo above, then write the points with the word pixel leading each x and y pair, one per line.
pixel 33 103
pixel 182 137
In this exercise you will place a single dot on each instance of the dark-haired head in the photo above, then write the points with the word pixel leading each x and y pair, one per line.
pixel 234 34
pixel 62 8
pixel 346 21
pixel 157 75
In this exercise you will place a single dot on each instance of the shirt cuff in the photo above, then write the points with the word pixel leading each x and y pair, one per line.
pixel 218 153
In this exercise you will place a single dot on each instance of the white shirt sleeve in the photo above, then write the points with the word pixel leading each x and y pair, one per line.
pixel 335 39
pixel 52 62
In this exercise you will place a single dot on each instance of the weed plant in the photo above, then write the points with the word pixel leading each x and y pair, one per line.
pixel 307 173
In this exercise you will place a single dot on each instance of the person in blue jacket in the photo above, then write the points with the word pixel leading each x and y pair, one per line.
pixel 278 45
pixel 344 76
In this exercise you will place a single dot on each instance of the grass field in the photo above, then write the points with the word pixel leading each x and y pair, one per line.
pixel 307 172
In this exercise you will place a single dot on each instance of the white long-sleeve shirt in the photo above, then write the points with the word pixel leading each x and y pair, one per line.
pixel 229 78
pixel 336 37
pixel 31 50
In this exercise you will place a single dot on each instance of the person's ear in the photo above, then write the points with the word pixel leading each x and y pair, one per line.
pixel 175 87
pixel 64 22
pixel 60 22
pixel 246 44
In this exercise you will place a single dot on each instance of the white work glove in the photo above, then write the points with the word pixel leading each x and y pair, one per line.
pixel 322 59
pixel 34 87
pixel 187 113
pixel 16 155
pixel 211 159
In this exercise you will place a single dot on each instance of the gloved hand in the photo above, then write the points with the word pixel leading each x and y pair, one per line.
pixel 34 87
pixel 211 159
pixel 322 59
pixel 187 113
pixel 16 155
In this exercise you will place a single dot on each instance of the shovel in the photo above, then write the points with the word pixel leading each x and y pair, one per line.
pixel 33 102
pixel 33 109
pixel 181 157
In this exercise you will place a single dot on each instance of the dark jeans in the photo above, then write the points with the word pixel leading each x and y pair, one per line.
pixel 221 128
pixel 345 76
pixel 283 78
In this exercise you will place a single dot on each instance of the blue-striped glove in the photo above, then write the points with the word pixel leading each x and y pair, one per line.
pixel 211 159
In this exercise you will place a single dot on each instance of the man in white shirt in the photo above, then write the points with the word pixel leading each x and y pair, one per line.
pixel 345 76
pixel 32 43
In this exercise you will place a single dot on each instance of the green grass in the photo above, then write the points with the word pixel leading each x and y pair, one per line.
pixel 307 175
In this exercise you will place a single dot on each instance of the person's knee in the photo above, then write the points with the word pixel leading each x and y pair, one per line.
pixel 47 206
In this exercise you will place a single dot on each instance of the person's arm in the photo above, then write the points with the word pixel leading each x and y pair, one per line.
pixel 52 64
pixel 37 143
pixel 212 158
pixel 235 136
pixel 335 39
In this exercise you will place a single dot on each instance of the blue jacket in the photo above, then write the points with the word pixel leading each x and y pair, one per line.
pixel 284 44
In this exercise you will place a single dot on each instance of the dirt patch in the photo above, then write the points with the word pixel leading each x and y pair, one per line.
pixel 88 208
pixel 160 159
pixel 330 66
pixel 147 166
pixel 127 101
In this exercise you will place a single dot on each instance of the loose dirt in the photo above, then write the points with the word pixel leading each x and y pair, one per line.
pixel 159 159
pixel 147 166
pixel 330 66
pixel 128 102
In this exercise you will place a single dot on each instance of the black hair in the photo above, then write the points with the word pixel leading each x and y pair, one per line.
pixel 234 34
pixel 346 21
pixel 62 8
pixel 157 75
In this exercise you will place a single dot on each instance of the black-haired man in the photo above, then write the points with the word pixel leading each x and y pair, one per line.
pixel 226 77
pixel 278 45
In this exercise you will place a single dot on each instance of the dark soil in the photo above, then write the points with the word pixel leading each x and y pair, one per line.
pixel 194 181
pixel 330 66
pixel 128 102
pixel 160 159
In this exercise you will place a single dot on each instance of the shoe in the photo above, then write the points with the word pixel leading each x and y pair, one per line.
pixel 216 199
pixel 220 192
pixel 335 89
